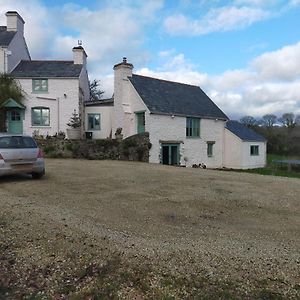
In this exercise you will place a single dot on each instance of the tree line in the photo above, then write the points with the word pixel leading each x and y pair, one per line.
pixel 282 133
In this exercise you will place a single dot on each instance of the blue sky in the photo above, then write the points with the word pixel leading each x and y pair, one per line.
pixel 245 54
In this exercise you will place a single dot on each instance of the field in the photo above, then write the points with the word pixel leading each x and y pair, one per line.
pixel 125 230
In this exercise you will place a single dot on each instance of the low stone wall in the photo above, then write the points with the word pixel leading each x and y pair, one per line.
pixel 134 148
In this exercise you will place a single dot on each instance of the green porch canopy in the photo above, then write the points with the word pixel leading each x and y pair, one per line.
pixel 11 103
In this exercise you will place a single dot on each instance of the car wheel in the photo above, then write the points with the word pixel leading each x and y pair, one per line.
pixel 37 175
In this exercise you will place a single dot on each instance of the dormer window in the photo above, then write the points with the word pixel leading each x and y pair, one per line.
pixel 39 85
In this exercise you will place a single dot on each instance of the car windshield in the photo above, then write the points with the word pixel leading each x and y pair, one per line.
pixel 17 142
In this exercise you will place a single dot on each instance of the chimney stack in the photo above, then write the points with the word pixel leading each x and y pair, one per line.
pixel 14 22
pixel 79 56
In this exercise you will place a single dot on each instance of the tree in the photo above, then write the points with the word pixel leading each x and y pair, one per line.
pixel 95 92
pixel 297 120
pixel 9 88
pixel 288 120
pixel 269 120
pixel 249 121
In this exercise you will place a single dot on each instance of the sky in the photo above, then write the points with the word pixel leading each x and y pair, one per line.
pixel 245 54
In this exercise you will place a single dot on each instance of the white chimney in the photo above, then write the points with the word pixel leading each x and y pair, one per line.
pixel 14 22
pixel 79 56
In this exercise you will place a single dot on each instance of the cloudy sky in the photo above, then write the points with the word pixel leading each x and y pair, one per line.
pixel 245 54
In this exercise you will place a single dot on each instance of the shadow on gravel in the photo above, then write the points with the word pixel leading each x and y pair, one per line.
pixel 15 178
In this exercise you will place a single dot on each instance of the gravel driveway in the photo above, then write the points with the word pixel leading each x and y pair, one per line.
pixel 111 230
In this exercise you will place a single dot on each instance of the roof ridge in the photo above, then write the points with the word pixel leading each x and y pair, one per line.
pixel 176 82
pixel 46 60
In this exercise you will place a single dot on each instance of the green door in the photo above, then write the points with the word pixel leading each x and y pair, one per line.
pixel 140 117
pixel 15 121
pixel 170 154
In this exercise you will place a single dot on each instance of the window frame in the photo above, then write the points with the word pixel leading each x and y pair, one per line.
pixel 88 119
pixel 40 108
pixel 254 150
pixel 192 127
pixel 39 85
pixel 210 148
pixel 140 116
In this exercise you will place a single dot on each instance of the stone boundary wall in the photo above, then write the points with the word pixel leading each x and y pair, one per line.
pixel 133 148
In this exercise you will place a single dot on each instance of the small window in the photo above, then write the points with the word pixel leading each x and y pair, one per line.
pixel 140 122
pixel 94 121
pixel 254 150
pixel 39 85
pixel 192 127
pixel 210 147
pixel 40 116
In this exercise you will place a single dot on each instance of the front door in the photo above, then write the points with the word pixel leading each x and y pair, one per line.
pixel 170 154
pixel 15 121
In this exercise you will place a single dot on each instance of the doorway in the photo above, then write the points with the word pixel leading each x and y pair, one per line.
pixel 170 154
pixel 15 121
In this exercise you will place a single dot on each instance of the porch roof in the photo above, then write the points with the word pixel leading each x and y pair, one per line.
pixel 11 103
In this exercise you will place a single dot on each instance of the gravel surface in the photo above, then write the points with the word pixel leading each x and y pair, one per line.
pixel 125 230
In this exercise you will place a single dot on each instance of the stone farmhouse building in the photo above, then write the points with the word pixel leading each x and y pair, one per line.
pixel 54 89
pixel 185 126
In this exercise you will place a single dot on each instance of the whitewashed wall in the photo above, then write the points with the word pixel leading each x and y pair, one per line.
pixel 105 120
pixel 237 153
pixel 62 98
pixel 166 128
pixel 233 154
pixel 254 161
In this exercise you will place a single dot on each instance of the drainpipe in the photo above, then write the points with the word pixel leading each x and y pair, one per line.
pixel 6 54
pixel 58 115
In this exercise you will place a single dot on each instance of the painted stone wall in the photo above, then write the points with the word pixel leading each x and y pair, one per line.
pixel 134 148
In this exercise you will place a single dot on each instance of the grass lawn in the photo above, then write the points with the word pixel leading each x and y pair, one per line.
pixel 127 230
pixel 274 169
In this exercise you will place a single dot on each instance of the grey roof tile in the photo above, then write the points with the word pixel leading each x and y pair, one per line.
pixel 172 98
pixel 6 36
pixel 243 132
pixel 46 69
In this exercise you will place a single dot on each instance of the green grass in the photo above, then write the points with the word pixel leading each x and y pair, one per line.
pixel 276 170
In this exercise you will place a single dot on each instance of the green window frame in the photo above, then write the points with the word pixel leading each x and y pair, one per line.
pixel 140 120
pixel 94 122
pixel 40 116
pixel 254 150
pixel 192 127
pixel 40 85
pixel 210 149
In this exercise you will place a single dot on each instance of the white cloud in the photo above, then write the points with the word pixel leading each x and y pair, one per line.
pixel 283 64
pixel 217 19
pixel 246 91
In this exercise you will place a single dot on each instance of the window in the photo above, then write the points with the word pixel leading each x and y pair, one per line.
pixel 13 142
pixel 192 127
pixel 39 85
pixel 94 121
pixel 254 150
pixel 210 146
pixel 140 122
pixel 40 116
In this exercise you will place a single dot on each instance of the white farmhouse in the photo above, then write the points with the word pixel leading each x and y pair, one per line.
pixel 54 89
pixel 185 126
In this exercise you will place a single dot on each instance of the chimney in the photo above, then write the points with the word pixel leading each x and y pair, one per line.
pixel 14 22
pixel 79 56
pixel 122 71
pixel 124 67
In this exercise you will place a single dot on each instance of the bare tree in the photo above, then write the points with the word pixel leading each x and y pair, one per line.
pixel 249 121
pixel 95 92
pixel 269 120
pixel 288 120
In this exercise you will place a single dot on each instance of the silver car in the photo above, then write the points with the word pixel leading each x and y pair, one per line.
pixel 19 154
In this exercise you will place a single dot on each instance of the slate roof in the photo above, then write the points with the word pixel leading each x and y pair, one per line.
pixel 172 98
pixel 6 36
pixel 243 132
pixel 46 69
